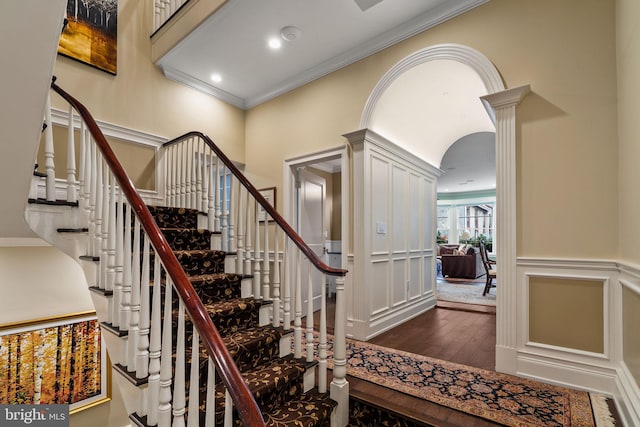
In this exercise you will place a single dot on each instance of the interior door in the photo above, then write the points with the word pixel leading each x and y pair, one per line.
pixel 311 223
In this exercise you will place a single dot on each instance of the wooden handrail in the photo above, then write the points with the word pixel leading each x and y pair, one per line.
pixel 293 235
pixel 246 405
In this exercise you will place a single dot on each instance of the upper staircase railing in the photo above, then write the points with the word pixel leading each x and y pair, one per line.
pixel 198 175
pixel 163 10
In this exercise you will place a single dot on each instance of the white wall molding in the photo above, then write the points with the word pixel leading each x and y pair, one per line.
pixel 627 397
pixel 61 118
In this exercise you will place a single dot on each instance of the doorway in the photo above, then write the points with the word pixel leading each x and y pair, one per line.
pixel 315 202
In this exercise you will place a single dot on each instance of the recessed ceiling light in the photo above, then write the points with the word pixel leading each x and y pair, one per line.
pixel 290 33
pixel 275 43
pixel 215 77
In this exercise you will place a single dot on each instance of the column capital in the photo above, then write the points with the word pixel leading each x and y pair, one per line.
pixel 506 98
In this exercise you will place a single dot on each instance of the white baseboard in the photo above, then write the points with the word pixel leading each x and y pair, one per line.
pixel 627 397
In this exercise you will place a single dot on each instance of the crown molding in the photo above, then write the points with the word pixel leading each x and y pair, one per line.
pixel 197 84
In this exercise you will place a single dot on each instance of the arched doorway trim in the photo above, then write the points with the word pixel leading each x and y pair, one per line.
pixel 501 105
pixel 464 54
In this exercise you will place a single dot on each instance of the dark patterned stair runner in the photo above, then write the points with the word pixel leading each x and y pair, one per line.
pixel 276 383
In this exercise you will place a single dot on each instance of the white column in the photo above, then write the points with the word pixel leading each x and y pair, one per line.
pixel 504 105
pixel 453 225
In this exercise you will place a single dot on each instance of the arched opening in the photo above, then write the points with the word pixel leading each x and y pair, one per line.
pixel 416 125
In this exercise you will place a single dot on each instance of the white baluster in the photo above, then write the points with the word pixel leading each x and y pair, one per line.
pixel 155 349
pixel 174 175
pixel 297 322
pixel 104 255
pixel 206 171
pixel 164 409
pixel 228 409
pixel 192 167
pixel 182 170
pixel 179 380
pixel 93 197
pixel 193 416
pixel 49 163
pixel 71 161
pixel 82 148
pixel 142 356
pixel 248 254
pixel 86 185
pixel 134 318
pixel 257 260
pixel 211 212
pixel 127 258
pixel 276 278
pixel 112 233
pixel 119 267
pixel 210 410
pixel 309 338
pixel 99 213
pixel 286 268
pixel 216 193
pixel 188 164
pixel 266 278
pixel 198 166
pixel 224 214
pixel 157 16
pixel 322 344
pixel 240 237
pixel 232 213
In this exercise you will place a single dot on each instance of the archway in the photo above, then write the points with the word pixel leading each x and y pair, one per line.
pixel 500 105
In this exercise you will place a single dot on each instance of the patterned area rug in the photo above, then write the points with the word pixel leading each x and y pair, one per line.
pixel 464 291
pixel 505 399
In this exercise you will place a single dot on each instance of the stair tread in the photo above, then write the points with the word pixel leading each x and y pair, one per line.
pixel 310 409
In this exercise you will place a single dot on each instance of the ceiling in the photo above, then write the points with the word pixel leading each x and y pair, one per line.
pixel 328 35
pixel 469 164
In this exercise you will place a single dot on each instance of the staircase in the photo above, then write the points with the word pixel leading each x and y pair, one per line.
pixel 201 311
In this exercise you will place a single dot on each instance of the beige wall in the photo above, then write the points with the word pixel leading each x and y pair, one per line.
pixel 628 57
pixel 140 97
pixel 566 128
pixel 572 316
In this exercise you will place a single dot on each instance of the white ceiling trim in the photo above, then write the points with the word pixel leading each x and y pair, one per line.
pixel 186 79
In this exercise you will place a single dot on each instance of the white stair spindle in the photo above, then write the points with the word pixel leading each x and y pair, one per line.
pixel 111 250
pixel 240 234
pixel 188 164
pixel 104 253
pixel 179 376
pixel 127 257
pixel 231 214
pixel 216 194
pixel 193 416
pixel 142 356
pixel 71 160
pixel 287 258
pixel 247 222
pixel 257 254
pixel 93 162
pixel 49 155
pixel 192 166
pixel 119 267
pixel 88 167
pixel 276 278
pixel 175 187
pixel 155 348
pixel 182 169
pixel 198 166
pixel 99 213
pixel 266 278
pixel 164 408
pixel 224 213
pixel 82 148
pixel 297 322
pixel 211 212
pixel 322 343
pixel 210 412
pixel 134 319
pixel 228 410
pixel 309 338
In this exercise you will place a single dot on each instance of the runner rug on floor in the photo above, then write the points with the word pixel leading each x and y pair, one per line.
pixel 506 399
